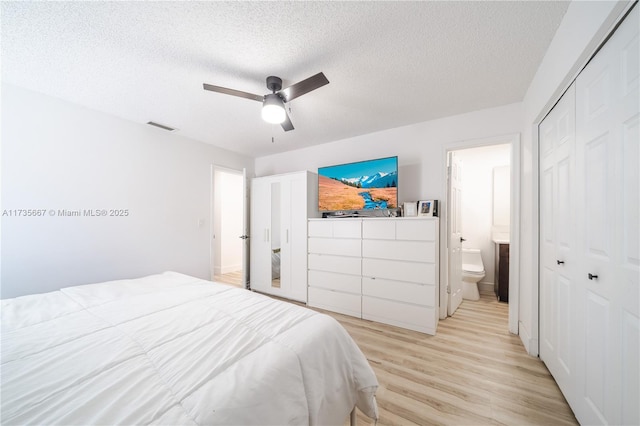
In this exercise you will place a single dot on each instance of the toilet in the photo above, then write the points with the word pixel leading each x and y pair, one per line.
pixel 472 272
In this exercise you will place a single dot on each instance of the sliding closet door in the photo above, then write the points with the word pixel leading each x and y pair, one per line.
pixel 557 240
pixel 607 138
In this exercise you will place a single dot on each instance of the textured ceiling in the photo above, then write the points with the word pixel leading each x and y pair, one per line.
pixel 389 63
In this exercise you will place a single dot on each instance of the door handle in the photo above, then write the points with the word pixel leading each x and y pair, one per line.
pixel 592 277
pixel 243 237
pixel 560 262
pixel 462 239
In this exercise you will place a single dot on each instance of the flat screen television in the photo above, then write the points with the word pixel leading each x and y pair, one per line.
pixel 363 185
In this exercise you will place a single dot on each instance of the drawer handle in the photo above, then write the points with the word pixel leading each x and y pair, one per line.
pixel 560 262
pixel 592 277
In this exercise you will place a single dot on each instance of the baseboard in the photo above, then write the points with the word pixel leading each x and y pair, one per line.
pixel 227 269
pixel 485 287
pixel 530 344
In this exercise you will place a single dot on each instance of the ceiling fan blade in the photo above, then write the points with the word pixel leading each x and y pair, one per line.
pixel 287 124
pixel 232 92
pixel 304 86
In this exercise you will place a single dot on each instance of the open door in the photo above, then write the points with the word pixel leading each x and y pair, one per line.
pixel 454 233
pixel 245 231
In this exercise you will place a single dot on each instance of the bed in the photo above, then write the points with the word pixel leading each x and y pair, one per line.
pixel 173 349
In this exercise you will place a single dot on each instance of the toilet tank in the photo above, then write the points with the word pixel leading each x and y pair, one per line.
pixel 471 256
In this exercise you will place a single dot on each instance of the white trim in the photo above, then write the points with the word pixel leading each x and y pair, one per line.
pixel 514 248
pixel 514 236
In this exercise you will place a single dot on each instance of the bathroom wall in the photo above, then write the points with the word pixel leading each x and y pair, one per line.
pixel 478 166
pixel 227 220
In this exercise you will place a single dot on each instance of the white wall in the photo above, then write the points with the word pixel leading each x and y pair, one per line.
pixel 420 149
pixel 582 29
pixel 477 202
pixel 57 155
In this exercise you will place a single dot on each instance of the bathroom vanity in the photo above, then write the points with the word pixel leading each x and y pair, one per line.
pixel 501 286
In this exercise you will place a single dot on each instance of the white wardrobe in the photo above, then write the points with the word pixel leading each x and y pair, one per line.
pixel 590 234
pixel 280 207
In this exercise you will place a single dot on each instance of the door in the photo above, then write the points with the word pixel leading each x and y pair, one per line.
pixel 590 235
pixel 607 138
pixel 245 231
pixel 454 231
pixel 260 241
pixel 558 260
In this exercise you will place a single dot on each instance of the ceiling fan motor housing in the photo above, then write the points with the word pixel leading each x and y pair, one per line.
pixel 274 83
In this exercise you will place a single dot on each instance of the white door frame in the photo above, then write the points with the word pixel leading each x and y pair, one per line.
pixel 514 248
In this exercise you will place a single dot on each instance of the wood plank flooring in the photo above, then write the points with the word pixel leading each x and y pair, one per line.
pixel 473 372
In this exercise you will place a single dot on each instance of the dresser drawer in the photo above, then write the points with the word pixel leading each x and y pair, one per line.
pixel 347 228
pixel 418 251
pixel 335 301
pixel 415 272
pixel 379 229
pixel 335 246
pixel 423 230
pixel 320 228
pixel 333 281
pixel 413 317
pixel 336 228
pixel 418 294
pixel 339 264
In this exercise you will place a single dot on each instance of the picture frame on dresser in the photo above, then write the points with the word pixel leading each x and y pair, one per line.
pixel 410 209
pixel 425 208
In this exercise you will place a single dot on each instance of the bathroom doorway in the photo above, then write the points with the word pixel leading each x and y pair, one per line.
pixel 485 201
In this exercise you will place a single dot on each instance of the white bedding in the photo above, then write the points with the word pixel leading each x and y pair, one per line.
pixel 173 349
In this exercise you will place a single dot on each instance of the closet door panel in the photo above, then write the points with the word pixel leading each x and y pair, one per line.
pixel 296 237
pixel 608 106
pixel 557 241
pixel 630 252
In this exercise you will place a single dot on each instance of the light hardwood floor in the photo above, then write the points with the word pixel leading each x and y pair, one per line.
pixel 473 372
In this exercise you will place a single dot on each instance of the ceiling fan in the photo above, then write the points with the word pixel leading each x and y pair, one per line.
pixel 273 110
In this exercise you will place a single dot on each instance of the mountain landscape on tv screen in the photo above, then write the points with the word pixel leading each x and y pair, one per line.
pixel 378 180
pixel 378 191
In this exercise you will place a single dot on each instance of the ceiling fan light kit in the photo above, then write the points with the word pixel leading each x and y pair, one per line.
pixel 273 108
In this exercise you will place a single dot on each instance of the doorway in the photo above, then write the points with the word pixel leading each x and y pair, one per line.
pixel 228 237
pixel 487 204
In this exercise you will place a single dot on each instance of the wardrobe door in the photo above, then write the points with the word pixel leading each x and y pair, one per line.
pixel 607 112
pixel 260 244
pixel 557 241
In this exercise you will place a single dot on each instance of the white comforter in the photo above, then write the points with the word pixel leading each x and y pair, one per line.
pixel 173 349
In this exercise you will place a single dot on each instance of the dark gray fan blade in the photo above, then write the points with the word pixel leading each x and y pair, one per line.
pixel 233 92
pixel 304 86
pixel 287 124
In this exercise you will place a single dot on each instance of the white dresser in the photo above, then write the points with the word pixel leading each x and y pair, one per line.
pixel 381 269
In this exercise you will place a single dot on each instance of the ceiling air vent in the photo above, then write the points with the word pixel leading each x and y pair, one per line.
pixel 161 126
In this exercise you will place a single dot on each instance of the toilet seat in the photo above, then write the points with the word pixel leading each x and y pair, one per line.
pixel 470 268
